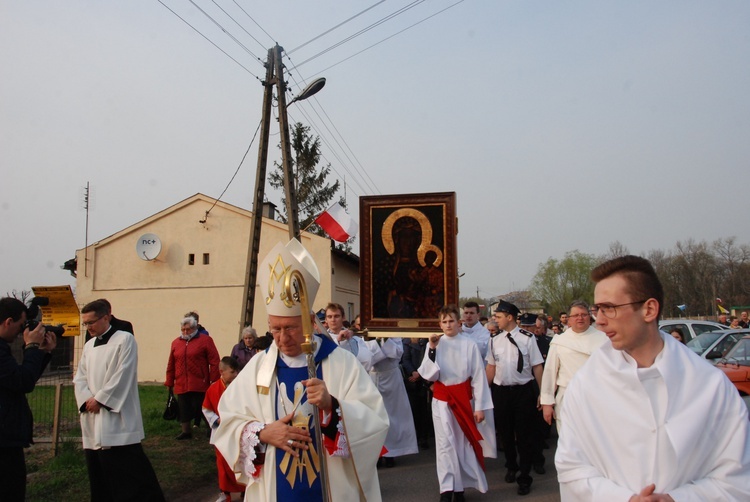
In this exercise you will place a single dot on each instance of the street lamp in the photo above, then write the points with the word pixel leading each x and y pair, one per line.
pixel 311 88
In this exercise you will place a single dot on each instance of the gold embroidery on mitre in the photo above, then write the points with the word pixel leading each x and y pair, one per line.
pixel 276 276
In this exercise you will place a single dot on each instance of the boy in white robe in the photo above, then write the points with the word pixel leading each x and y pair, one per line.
pixel 461 409
pixel 646 419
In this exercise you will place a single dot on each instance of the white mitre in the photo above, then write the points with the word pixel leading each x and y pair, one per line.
pixel 277 273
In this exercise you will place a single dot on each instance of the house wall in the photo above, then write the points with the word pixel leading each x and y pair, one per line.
pixel 154 295
pixel 345 286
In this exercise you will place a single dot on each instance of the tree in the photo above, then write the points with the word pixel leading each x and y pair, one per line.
pixel 22 295
pixel 558 283
pixel 616 250
pixel 314 193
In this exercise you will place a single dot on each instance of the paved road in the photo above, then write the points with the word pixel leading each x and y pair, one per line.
pixel 414 480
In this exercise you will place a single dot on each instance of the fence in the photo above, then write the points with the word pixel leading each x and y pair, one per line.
pixel 53 404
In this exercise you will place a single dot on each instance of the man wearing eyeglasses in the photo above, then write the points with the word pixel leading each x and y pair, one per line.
pixel 267 430
pixel 646 419
pixel 567 354
pixel 106 390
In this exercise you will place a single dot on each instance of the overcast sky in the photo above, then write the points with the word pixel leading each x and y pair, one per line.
pixel 560 125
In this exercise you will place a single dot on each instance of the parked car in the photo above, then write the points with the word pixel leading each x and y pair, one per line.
pixel 736 366
pixel 713 345
pixel 689 328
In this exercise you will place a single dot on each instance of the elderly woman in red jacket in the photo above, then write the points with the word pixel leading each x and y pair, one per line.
pixel 193 365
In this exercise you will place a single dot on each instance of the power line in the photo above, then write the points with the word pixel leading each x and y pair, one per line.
pixel 235 173
pixel 337 26
pixel 388 38
pixel 325 142
pixel 208 39
pixel 343 164
pixel 363 30
pixel 337 142
pixel 238 24
pixel 254 21
pixel 224 30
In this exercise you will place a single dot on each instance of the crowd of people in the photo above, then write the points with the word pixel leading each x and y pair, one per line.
pixel 293 417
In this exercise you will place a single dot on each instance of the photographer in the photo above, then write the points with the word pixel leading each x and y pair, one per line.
pixel 16 422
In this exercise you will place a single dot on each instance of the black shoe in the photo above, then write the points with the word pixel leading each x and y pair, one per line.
pixel 446 497
pixel 184 435
pixel 524 489
pixel 458 497
pixel 539 468
pixel 510 476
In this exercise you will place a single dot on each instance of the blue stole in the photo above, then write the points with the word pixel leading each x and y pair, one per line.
pixel 299 478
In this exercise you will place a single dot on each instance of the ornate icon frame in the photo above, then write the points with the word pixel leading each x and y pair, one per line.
pixel 383 307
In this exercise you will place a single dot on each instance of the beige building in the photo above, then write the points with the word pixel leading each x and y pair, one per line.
pixel 201 266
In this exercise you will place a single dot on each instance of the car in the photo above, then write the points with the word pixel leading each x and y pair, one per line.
pixel 736 366
pixel 713 345
pixel 690 328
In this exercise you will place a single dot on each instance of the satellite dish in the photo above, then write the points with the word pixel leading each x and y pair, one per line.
pixel 148 247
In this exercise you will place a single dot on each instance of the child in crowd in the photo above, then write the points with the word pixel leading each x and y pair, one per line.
pixel 461 408
pixel 228 369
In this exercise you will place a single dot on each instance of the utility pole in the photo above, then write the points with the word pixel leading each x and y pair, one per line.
pixel 274 77
pixel 251 271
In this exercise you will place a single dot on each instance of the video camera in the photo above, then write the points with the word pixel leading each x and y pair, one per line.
pixel 34 316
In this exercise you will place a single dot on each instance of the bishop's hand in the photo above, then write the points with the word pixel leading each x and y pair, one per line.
pixel 317 394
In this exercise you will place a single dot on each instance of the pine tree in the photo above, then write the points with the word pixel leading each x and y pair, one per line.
pixel 314 193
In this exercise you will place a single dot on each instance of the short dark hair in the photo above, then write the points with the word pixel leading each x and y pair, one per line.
pixel 639 274
pixel 447 310
pixel 579 303
pixel 469 305
pixel 562 313
pixel 106 302
pixel 336 306
pixel 11 308
pixel 231 362
pixel 99 307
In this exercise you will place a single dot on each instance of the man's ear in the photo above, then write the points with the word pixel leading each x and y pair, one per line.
pixel 651 310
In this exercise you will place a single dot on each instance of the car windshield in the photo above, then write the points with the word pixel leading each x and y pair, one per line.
pixel 702 342
pixel 704 328
pixel 740 353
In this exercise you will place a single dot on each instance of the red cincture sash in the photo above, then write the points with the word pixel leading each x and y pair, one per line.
pixel 458 398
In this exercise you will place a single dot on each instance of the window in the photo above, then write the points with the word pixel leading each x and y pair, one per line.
pixel 205 258
pixel 191 259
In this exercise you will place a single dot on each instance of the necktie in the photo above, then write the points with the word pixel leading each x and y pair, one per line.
pixel 519 365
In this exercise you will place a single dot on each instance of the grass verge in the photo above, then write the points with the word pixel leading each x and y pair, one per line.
pixel 181 466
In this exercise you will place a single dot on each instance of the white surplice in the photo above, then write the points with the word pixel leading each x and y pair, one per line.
pixel 109 373
pixel 387 377
pixel 568 352
pixel 457 359
pixel 679 424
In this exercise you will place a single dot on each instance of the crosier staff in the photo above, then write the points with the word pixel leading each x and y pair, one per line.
pixel 295 280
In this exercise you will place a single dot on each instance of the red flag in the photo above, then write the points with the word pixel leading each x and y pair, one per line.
pixel 337 223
